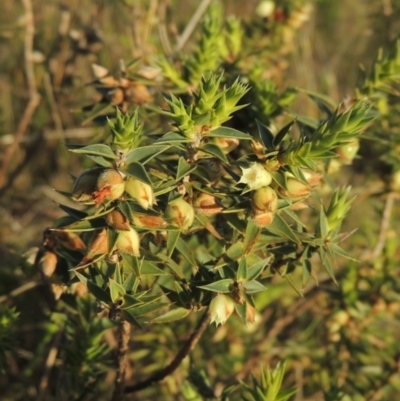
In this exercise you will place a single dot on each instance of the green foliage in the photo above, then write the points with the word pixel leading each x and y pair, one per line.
pixel 8 319
pixel 209 186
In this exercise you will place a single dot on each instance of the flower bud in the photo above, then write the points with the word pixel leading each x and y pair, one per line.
pixel 295 189
pixel 47 263
pixel 85 185
pixel 226 144
pixel 128 242
pixel 206 204
pixel 312 177
pixel 255 176
pixel 263 219
pixel 110 186
pixel 348 152
pixel 221 307
pixel 141 192
pixel 265 199
pixel 265 8
pixel 250 313
pixel 97 247
pixel 395 181
pixel 258 148
pixel 181 213
pixel 148 221
pixel 118 220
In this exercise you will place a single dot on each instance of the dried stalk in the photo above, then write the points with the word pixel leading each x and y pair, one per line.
pixel 123 347
pixel 185 350
pixel 34 97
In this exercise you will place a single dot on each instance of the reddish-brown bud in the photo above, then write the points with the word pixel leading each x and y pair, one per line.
pixel 295 189
pixel 206 204
pixel 263 219
pixel 128 242
pixel 86 185
pixel 118 220
pixel 141 192
pixel 110 186
pixel 265 199
pixel 181 213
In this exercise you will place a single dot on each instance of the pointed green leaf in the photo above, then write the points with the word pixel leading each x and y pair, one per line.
pixel 117 291
pixel 184 168
pixel 218 286
pixel 131 283
pixel 99 293
pixel 236 251
pixel 126 314
pixel 241 273
pixel 252 233
pixel 172 137
pixel 172 239
pixel 253 286
pixel 315 95
pixel 151 269
pixel 281 226
pixel 78 214
pixel 266 135
pixel 136 170
pixel 132 263
pixel 100 160
pixel 172 316
pixel 323 224
pixel 145 153
pixel 82 226
pixel 327 263
pixel 95 150
pixel 280 136
pixel 255 270
pixel 112 238
pixel 214 150
pixel 186 252
pixel 241 310
pixel 227 132
pixel 144 309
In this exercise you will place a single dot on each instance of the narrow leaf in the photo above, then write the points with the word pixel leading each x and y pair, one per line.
pixel 172 316
pixel 218 286
pixel 227 132
pixel 95 150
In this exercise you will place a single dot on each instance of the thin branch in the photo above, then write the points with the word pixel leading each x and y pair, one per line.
pixel 297 308
pixel 34 97
pixel 20 290
pixel 50 361
pixel 162 28
pixel 185 350
pixel 384 224
pixel 190 27
pixel 123 347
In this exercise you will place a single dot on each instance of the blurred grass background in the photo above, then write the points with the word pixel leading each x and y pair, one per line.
pixel 70 36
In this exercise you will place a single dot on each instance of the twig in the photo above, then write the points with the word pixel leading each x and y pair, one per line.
pixel 192 24
pixel 123 346
pixel 149 21
pixel 294 311
pixel 50 361
pixel 384 224
pixel 34 97
pixel 24 287
pixel 162 28
pixel 185 350
pixel 53 104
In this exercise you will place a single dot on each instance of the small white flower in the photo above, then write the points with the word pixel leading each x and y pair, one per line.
pixel 265 8
pixel 221 307
pixel 255 176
